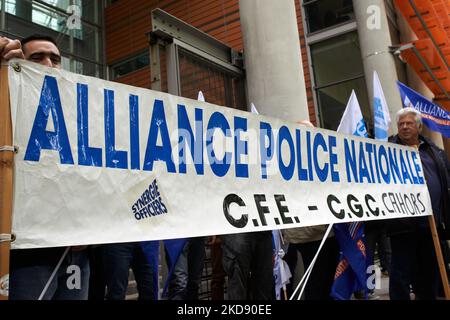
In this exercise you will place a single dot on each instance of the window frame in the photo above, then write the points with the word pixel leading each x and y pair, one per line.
pixel 317 37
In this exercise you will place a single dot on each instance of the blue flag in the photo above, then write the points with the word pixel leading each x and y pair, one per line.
pixel 433 116
pixel 381 117
pixel 350 273
pixel 151 252
pixel 173 248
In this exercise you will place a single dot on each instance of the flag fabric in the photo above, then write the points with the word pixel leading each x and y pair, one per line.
pixel 173 248
pixel 201 97
pixel 281 270
pixel 382 119
pixel 350 273
pixel 352 121
pixel 433 116
pixel 151 252
pixel 253 108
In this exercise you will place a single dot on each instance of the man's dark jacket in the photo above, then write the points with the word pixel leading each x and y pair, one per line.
pixel 442 164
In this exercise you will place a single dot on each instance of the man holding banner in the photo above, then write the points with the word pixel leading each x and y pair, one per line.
pixel 250 174
pixel 413 257
pixel 45 273
pixel 10 49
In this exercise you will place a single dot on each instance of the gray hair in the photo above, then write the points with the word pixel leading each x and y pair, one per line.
pixel 410 110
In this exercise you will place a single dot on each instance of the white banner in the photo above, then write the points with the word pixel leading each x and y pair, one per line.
pixel 102 162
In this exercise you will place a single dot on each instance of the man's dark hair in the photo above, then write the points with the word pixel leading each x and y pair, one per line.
pixel 40 37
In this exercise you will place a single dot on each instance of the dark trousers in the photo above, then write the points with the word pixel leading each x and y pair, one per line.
pixel 32 268
pixel 187 275
pixel 413 264
pixel 247 260
pixel 218 274
pixel 118 258
pixel 322 276
pixel 97 283
pixel 378 239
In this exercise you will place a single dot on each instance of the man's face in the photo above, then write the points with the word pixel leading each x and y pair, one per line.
pixel 43 52
pixel 407 128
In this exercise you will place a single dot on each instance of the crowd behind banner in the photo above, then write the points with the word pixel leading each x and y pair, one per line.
pixel 338 263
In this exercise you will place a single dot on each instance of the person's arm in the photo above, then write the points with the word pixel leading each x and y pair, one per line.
pixel 10 49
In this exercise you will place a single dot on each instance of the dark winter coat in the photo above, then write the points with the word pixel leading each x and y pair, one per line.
pixel 443 166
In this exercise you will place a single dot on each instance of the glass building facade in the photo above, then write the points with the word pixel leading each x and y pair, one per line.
pixel 76 25
pixel 332 42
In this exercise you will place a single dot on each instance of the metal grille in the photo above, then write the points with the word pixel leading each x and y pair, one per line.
pixel 205 285
pixel 218 85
